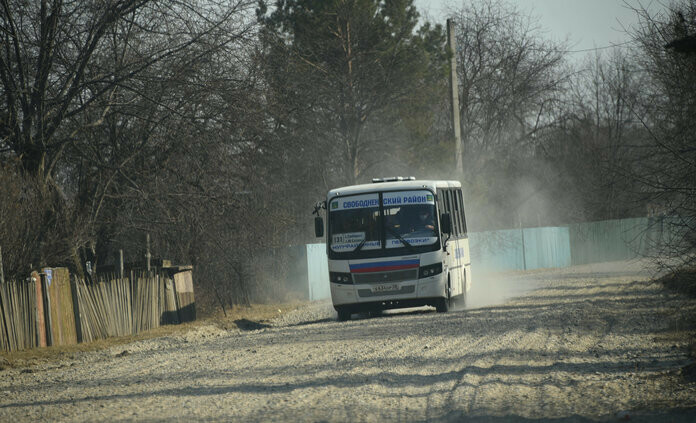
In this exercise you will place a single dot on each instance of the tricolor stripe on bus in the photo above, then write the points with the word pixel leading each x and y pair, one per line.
pixel 384 266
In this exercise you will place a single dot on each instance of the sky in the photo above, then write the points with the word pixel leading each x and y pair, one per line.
pixel 587 23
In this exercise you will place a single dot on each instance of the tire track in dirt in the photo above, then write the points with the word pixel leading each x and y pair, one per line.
pixel 583 346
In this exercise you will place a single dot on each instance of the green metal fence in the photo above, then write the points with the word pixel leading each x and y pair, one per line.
pixel 497 250
pixel 545 247
pixel 581 243
pixel 612 240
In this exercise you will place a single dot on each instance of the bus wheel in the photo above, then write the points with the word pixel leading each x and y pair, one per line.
pixel 375 313
pixel 442 305
pixel 343 315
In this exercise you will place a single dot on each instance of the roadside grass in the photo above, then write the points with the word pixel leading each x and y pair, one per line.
pixel 237 317
pixel 684 282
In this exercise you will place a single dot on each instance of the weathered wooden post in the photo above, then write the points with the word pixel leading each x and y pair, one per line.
pixel 147 253
pixel 76 308
pixel 120 264
pixel 48 320
pixel 2 274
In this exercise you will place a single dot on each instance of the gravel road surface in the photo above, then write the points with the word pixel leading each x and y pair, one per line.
pixel 589 343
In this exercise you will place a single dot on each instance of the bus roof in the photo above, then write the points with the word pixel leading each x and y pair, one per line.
pixel 393 186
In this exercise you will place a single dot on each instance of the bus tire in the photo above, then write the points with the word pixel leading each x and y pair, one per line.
pixel 343 315
pixel 375 313
pixel 442 305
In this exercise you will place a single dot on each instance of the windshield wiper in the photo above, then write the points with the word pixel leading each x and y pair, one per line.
pixel 400 238
pixel 356 249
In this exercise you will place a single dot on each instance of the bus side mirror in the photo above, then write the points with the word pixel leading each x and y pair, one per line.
pixel 446 223
pixel 319 226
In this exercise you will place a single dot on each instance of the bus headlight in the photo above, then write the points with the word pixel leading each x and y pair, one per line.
pixel 430 270
pixel 339 277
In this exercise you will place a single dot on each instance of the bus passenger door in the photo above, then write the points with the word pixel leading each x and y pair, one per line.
pixel 464 257
pixel 455 245
pixel 461 252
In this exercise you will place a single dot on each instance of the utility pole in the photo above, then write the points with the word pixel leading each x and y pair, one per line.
pixel 454 97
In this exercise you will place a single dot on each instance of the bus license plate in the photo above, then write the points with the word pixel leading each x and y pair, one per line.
pixel 385 288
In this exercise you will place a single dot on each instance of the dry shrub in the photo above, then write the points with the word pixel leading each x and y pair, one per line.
pixel 37 226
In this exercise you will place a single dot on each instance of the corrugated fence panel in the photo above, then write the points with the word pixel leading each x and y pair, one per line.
pixel 318 272
pixel 608 240
pixel 546 247
pixel 297 275
pixel 496 250
pixel 666 235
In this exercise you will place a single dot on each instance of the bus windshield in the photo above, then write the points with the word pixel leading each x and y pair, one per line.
pixel 408 221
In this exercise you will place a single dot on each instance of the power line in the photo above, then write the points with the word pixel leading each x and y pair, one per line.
pixel 624 44
pixel 585 50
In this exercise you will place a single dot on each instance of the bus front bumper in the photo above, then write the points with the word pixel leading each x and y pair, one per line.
pixel 415 291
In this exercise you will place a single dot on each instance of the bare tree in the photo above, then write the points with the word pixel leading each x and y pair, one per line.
pixel 598 136
pixel 508 76
pixel 667 169
pixel 48 47
pixel 510 79
pixel 96 94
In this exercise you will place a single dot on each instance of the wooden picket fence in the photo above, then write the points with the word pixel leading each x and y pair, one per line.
pixel 17 315
pixel 103 307
pixel 113 306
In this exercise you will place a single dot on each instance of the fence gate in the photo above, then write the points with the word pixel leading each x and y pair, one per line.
pixel 318 272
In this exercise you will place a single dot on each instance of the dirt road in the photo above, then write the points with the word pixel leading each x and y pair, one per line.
pixel 582 344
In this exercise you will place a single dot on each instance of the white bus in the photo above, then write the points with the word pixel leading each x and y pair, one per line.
pixel 396 243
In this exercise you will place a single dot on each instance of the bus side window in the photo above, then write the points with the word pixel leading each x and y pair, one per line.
pixel 458 217
pixel 455 210
pixel 450 209
pixel 462 215
pixel 445 206
pixel 458 209
pixel 441 202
